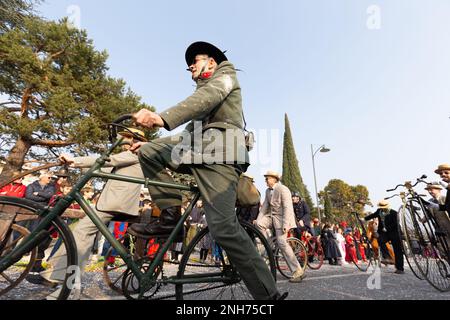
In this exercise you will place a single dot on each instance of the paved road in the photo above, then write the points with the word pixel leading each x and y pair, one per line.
pixel 328 283
pixel 348 283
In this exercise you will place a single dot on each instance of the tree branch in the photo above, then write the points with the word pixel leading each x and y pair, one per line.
pixel 51 143
pixel 9 102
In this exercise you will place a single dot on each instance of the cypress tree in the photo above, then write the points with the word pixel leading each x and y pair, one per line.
pixel 292 177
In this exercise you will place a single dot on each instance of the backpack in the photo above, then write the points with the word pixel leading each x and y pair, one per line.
pixel 247 193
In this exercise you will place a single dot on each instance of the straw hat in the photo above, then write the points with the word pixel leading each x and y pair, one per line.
pixel 273 174
pixel 140 134
pixel 383 204
pixel 442 167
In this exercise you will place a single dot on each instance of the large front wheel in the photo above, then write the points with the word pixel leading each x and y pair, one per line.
pixel 208 272
pixel 57 242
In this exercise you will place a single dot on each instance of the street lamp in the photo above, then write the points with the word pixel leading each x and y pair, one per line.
pixel 322 149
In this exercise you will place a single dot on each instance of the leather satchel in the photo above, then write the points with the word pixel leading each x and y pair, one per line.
pixel 247 193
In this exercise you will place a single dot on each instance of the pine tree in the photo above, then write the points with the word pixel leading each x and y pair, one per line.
pixel 292 177
pixel 58 93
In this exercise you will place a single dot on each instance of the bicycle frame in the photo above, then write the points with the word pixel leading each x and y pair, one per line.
pixel 48 214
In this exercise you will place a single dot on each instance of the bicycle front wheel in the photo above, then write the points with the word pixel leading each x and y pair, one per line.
pixel 16 282
pixel 428 250
pixel 300 253
pixel 197 265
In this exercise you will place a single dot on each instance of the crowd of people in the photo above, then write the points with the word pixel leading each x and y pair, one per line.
pixel 340 241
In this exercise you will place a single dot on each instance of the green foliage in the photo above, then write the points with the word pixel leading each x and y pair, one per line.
pixel 58 91
pixel 292 177
pixel 340 200
pixel 13 12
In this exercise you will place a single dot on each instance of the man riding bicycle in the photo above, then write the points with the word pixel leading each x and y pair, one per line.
pixel 212 148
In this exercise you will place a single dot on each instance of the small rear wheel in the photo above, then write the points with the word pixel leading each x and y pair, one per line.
pixel 300 253
pixel 315 253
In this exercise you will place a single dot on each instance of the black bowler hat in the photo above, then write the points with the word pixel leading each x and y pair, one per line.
pixel 201 47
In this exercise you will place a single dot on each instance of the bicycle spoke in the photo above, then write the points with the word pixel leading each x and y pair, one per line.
pixel 7 278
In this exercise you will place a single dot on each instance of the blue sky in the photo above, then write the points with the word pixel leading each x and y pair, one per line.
pixel 378 98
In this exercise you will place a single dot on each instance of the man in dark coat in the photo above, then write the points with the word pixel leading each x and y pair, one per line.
pixel 302 214
pixel 212 147
pixel 41 191
pixel 389 230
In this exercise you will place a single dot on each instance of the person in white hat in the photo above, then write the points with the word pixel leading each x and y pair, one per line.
pixel 388 230
pixel 277 213
pixel 444 172
pixel 435 191
pixel 440 205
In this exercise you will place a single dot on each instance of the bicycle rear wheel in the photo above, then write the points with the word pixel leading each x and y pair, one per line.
pixel 229 285
pixel 300 253
pixel 315 253
pixel 67 255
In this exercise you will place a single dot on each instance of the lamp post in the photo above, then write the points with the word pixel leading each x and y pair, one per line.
pixel 322 149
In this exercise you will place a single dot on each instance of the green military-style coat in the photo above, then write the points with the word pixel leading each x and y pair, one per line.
pixel 215 133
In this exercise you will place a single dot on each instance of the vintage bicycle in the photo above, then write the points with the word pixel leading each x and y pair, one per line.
pixel 425 239
pixel 144 276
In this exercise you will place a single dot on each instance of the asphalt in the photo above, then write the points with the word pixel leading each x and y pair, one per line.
pixel 327 283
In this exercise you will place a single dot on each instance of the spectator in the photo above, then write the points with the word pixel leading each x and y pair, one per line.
pixel 350 250
pixel 193 221
pixel 61 177
pixel 316 229
pixel 88 194
pixel 341 245
pixel 65 188
pixel 14 189
pixel 330 246
pixel 41 191
pixel 441 217
pixel 206 243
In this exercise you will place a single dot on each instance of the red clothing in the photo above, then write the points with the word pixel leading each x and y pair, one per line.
pixel 13 190
pixel 59 194
pixel 350 250
pixel 360 246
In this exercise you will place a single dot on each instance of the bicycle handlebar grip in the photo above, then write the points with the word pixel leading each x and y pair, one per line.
pixel 123 118
pixel 390 190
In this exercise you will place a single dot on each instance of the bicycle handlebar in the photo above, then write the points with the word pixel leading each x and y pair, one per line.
pixel 408 184
pixel 123 118
pixel 112 127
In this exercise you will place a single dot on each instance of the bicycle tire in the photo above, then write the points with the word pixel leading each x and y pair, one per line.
pixel 408 251
pixel 30 292
pixel 190 266
pixel 436 270
pixel 363 265
pixel 300 253
pixel 316 254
